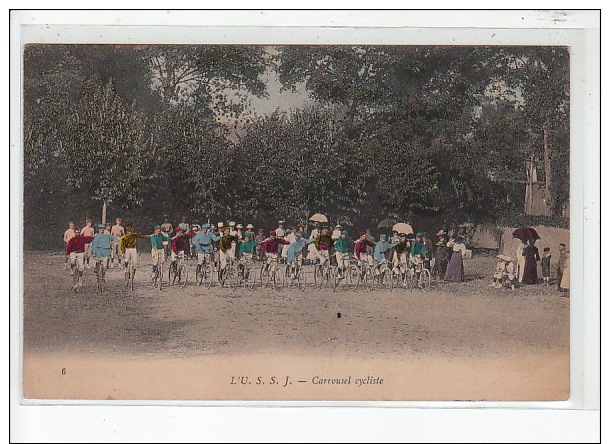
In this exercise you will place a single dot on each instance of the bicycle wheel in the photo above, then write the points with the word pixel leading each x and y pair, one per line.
pixel 353 277
pixel 183 275
pixel 425 279
pixel 208 276
pixel 277 279
pixel 98 273
pixel 173 272
pixel 249 280
pixel 335 277
pixel 264 275
pixel 227 277
pixel 199 274
pixel 130 276
pixel 237 281
pixel 318 276
pixel 159 277
pixel 301 282
pixel 395 279
pixel 410 278
pixel 127 275
pixel 385 278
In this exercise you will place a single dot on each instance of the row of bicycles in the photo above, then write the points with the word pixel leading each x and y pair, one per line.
pixel 242 273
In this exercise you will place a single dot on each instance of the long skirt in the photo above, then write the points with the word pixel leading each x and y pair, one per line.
pixel 530 272
pixel 455 269
pixel 565 279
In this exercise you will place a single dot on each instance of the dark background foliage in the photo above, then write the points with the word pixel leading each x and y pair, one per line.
pixel 430 135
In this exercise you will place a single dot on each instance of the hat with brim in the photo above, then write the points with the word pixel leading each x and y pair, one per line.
pixel 249 226
pixel 441 233
pixel 504 257
pixel 205 226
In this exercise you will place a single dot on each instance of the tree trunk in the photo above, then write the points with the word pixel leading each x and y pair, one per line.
pixel 550 201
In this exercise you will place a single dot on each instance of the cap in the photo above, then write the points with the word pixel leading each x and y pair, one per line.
pixel 344 232
pixel 249 226
pixel 363 233
pixel 129 227
pixel 281 222
pixel 156 227
pixel 441 233
pixel 272 233
pixel 101 225
pixel 76 229
pixel 177 229
pixel 420 234
pixel 205 226
pixel 383 236
pixel 299 234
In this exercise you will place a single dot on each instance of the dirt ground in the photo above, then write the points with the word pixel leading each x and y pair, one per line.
pixel 455 342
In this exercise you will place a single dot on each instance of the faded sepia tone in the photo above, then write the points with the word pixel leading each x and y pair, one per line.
pixel 470 141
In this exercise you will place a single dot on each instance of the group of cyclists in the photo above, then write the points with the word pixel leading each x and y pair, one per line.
pixel 231 250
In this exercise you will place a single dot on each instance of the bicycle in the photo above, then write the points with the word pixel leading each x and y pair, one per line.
pixel 324 274
pixel 130 274
pixel 401 276
pixel 205 271
pixel 382 275
pixel 100 271
pixel 77 276
pixel 158 276
pixel 270 274
pixel 244 275
pixel 349 273
pixel 227 276
pixel 295 275
pixel 178 271
pixel 420 276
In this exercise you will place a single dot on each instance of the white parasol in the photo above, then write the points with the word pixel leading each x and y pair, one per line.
pixel 403 228
pixel 318 218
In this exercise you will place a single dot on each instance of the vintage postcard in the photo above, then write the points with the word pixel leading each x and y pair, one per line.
pixel 325 218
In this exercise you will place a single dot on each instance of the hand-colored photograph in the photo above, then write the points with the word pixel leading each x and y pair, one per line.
pixel 296 222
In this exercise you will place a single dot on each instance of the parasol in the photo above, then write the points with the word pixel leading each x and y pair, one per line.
pixel 318 218
pixel 403 228
pixel 526 234
pixel 387 223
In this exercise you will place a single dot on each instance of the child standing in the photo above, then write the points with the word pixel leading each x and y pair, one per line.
pixel 545 264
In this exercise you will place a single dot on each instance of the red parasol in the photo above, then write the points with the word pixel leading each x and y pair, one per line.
pixel 526 234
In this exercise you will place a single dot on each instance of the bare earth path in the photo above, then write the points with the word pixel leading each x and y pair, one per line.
pixel 457 342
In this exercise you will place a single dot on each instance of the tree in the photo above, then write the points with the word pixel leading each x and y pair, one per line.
pixel 106 146
pixel 208 76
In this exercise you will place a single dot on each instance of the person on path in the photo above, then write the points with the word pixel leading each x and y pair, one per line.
pixel 455 268
pixel 530 272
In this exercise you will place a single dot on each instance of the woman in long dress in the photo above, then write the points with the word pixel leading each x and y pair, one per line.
pixel 565 278
pixel 455 269
pixel 532 257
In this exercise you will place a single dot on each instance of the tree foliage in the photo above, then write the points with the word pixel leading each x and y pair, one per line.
pixel 428 132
